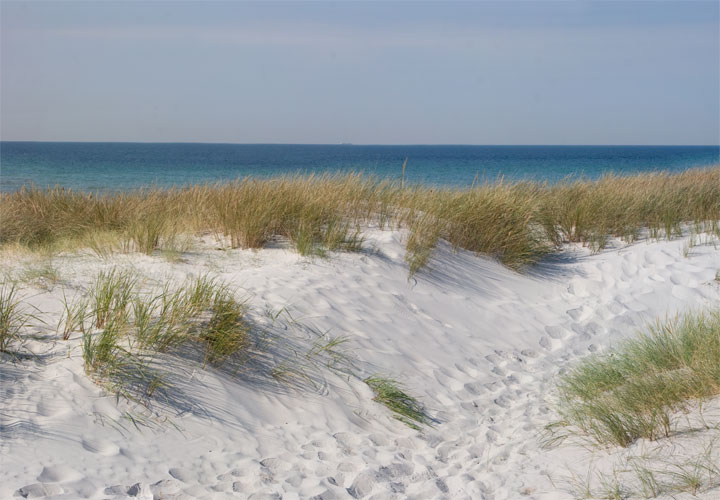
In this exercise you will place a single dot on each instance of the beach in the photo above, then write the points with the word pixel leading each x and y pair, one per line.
pixel 336 250
pixel 479 345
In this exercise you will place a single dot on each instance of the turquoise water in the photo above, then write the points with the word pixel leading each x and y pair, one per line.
pixel 120 166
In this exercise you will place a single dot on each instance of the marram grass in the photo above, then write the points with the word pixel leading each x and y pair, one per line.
pixel 517 223
pixel 406 408
pixel 637 390
pixel 13 317
pixel 131 328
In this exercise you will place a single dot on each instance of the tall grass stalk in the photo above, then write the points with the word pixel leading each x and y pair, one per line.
pixel 73 316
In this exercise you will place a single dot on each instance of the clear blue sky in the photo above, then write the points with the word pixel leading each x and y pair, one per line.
pixel 633 72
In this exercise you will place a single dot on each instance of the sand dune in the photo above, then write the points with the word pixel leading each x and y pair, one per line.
pixel 478 344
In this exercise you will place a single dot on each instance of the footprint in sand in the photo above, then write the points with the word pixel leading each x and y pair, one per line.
pixel 499 371
pixel 347 440
pixel 579 313
pixel 629 270
pixel 679 278
pixel 547 343
pixel 578 289
pixel 475 388
pixel 100 446
pixel 378 440
pixel 363 484
pixel 137 490
pixel 394 471
pixel 59 474
pixel 594 329
pixel 466 370
pixel 495 359
pixel 39 490
pixel 182 474
pixel 276 465
pixel 556 332
pixel 165 487
pixel 504 402
pixel 51 408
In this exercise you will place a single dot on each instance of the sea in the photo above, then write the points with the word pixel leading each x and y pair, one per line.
pixel 117 166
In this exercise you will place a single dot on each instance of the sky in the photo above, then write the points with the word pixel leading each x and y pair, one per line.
pixel 542 72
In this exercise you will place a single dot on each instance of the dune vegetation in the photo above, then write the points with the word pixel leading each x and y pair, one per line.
pixel 639 389
pixel 124 329
pixel 646 396
pixel 405 407
pixel 133 336
pixel 516 223
pixel 14 317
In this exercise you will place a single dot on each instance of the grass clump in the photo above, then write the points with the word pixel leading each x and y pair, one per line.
pixel 111 295
pixel 169 318
pixel 198 294
pixel 13 318
pixel 635 391
pixel 227 331
pixel 135 333
pixel 157 327
pixel 102 353
pixel 406 408
pixel 73 316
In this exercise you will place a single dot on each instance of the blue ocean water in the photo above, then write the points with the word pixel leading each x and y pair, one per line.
pixel 121 166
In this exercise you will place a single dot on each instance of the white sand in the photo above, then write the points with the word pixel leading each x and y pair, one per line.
pixel 478 344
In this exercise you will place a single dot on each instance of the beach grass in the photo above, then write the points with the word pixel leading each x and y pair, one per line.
pixel 111 295
pixel 102 352
pixel 226 333
pixel 131 328
pixel 406 408
pixel 73 317
pixel 517 223
pixel 158 324
pixel 637 390
pixel 13 317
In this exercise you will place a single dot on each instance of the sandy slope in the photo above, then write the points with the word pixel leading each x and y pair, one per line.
pixel 479 344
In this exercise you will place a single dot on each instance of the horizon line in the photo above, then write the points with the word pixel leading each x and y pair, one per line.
pixel 357 144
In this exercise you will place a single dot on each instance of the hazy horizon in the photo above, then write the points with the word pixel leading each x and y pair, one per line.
pixel 365 144
pixel 394 73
